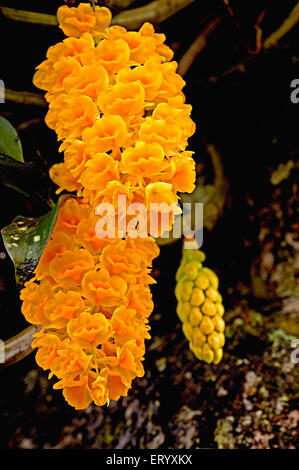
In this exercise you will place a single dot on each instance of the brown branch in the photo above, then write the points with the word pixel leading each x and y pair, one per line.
pixel 25 97
pixel 258 34
pixel 19 346
pixel 29 16
pixel 284 28
pixel 25 125
pixel 155 12
pixel 197 46
pixel 118 4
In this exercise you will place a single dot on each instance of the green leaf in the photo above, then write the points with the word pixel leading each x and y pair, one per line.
pixel 10 144
pixel 25 239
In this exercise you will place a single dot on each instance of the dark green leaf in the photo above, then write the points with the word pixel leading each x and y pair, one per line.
pixel 25 239
pixel 10 143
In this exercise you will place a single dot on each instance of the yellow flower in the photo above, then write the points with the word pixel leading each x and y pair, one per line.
pixel 58 243
pixel 99 390
pixel 63 178
pixel 48 347
pixel 184 175
pixel 87 80
pixel 149 75
pixel 102 289
pixel 125 99
pixel 75 21
pixel 159 192
pixel 63 307
pixel 147 31
pixel 108 133
pixel 34 302
pixel 76 156
pixel 69 268
pixel 89 329
pixel 140 46
pixel 99 170
pixel 144 160
pixel 168 135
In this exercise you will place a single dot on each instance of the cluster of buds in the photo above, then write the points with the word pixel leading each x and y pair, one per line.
pixel 200 307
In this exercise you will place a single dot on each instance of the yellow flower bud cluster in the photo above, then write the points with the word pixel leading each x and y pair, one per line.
pixel 200 307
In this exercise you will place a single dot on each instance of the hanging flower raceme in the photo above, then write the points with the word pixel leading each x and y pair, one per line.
pixel 116 103
pixel 92 302
pixel 200 307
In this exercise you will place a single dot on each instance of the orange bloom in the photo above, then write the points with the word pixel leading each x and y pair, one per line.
pixel 173 83
pixel 99 170
pixel 63 178
pixel 129 366
pixel 63 307
pixel 99 390
pixel 120 259
pixel 76 156
pixel 106 134
pixel 89 329
pixel 146 248
pixel 71 47
pixel 65 68
pixel 70 364
pixel 184 175
pixel 48 346
pixel 163 133
pixel 79 113
pixel 69 268
pixel 161 201
pixel 69 216
pixel 140 299
pixel 78 396
pixel 101 288
pixel 157 193
pixel 112 55
pixel 87 236
pixel 176 112
pixel 87 80
pixel 124 99
pixel 46 76
pixel 116 387
pixel 128 326
pixel 75 21
pixel 143 160
pixel 140 47
pixel 34 302
pixel 149 75
pixel 147 31
pixel 58 243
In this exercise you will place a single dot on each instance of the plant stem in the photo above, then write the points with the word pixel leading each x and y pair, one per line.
pixel 19 346
pixel 155 12
pixel 284 28
pixel 25 97
pixel 197 46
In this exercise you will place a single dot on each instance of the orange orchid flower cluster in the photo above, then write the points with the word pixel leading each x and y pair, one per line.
pixel 93 304
pixel 116 103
